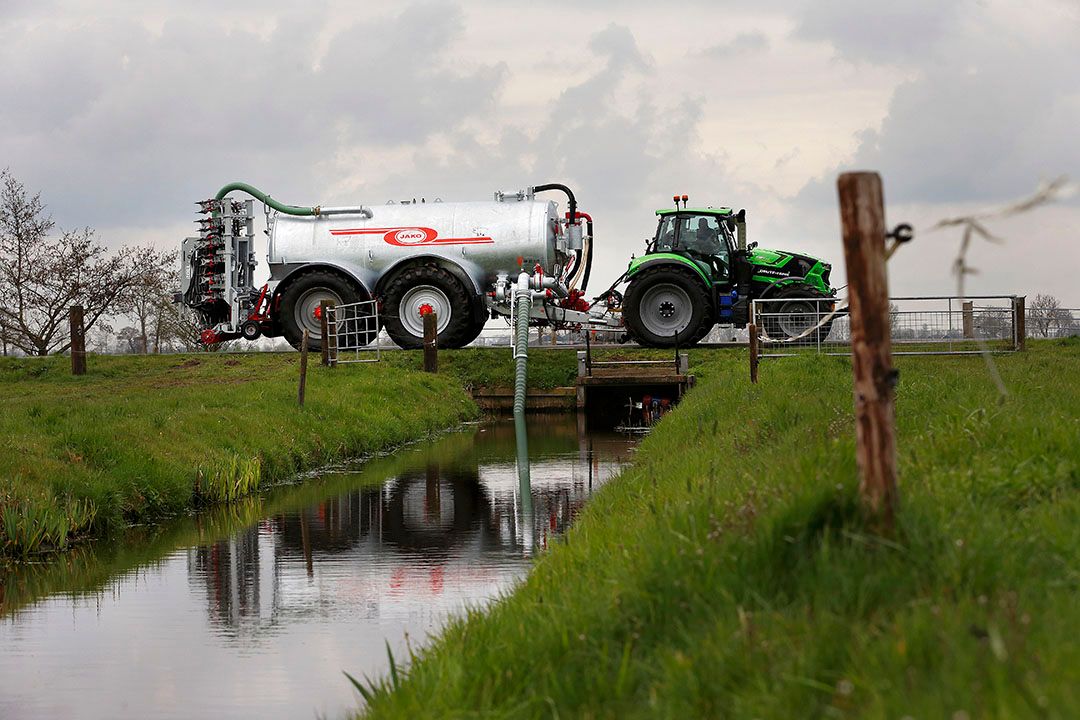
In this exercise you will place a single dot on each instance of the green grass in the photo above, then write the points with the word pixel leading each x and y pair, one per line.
pixel 731 572
pixel 142 438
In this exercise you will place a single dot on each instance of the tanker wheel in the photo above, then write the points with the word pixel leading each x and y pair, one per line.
pixel 665 306
pixel 798 315
pixel 475 330
pixel 300 302
pixel 427 288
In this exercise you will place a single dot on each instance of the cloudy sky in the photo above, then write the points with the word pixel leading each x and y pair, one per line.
pixel 124 113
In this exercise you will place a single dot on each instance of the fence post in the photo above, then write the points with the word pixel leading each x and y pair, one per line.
pixel 1020 322
pixel 969 320
pixel 431 343
pixel 303 368
pixel 78 340
pixel 753 352
pixel 862 216
pixel 324 328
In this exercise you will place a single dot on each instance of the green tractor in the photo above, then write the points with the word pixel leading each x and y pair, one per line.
pixel 698 271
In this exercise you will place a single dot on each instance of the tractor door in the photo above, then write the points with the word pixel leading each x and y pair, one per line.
pixel 706 239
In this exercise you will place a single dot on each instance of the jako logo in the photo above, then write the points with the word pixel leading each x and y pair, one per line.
pixel 410 237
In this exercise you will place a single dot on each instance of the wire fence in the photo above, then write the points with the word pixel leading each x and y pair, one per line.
pixel 927 325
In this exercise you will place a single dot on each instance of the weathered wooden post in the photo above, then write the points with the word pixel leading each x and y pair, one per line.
pixel 753 352
pixel 969 320
pixel 1020 322
pixel 303 368
pixel 862 215
pixel 78 340
pixel 431 342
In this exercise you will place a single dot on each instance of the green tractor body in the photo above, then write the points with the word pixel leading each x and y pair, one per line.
pixel 698 271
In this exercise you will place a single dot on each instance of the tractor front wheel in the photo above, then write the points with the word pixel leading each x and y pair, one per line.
pixel 667 306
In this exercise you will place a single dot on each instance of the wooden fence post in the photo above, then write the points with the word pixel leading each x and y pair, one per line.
pixel 969 320
pixel 303 368
pixel 1020 322
pixel 753 352
pixel 862 216
pixel 431 343
pixel 78 340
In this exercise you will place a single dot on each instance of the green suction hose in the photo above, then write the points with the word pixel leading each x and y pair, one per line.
pixel 265 199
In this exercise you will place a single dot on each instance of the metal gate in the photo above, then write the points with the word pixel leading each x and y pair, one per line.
pixel 923 325
pixel 353 332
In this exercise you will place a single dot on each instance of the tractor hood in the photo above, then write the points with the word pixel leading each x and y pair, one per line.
pixel 772 265
pixel 778 258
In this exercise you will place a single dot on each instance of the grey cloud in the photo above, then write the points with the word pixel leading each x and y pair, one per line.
pixel 981 121
pixel 880 32
pixel 741 44
pixel 118 121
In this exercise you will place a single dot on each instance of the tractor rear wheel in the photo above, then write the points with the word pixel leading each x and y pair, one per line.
pixel 300 300
pixel 796 315
pixel 428 288
pixel 666 306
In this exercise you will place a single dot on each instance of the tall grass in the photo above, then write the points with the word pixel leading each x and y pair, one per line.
pixel 730 572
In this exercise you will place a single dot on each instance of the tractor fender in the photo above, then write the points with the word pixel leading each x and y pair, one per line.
pixel 281 274
pixel 655 259
pixel 783 283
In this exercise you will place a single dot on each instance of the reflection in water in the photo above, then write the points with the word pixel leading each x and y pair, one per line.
pixel 256 612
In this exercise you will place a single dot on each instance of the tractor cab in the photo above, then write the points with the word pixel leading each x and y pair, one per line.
pixel 706 236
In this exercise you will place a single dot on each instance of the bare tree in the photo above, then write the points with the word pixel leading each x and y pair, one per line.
pixel 130 340
pixel 42 276
pixel 1046 315
pixel 147 301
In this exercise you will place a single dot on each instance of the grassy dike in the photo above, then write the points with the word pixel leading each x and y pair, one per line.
pixel 729 573
pixel 142 438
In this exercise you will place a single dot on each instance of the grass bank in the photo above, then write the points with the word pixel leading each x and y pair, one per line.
pixel 729 573
pixel 144 437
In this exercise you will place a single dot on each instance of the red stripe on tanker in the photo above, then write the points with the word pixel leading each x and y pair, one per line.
pixel 412 236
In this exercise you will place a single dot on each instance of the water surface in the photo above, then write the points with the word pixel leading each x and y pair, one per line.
pixel 255 609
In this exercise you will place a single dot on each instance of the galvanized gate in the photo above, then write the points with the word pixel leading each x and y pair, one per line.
pixel 923 325
pixel 353 332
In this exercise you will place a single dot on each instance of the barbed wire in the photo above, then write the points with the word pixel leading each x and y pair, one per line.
pixel 974 227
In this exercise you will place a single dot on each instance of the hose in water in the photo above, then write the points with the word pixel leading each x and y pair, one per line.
pixel 523 306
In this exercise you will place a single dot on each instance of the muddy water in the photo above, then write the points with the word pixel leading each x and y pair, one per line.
pixel 256 609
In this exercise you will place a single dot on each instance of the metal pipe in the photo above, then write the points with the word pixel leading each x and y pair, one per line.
pixel 358 210
pixel 289 209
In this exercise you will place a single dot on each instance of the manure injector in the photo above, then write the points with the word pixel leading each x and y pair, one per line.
pixel 466 262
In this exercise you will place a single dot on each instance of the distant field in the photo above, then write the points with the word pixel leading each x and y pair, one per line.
pixel 729 572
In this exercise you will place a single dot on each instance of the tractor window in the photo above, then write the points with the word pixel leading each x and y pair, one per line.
pixel 706 237
pixel 702 234
pixel 665 234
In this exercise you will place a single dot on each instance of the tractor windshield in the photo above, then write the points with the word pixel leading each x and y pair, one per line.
pixel 701 234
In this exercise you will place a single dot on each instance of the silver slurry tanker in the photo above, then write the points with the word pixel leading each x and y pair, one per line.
pixel 460 260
